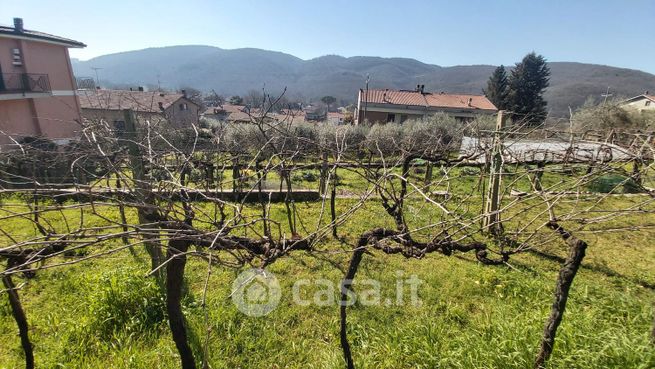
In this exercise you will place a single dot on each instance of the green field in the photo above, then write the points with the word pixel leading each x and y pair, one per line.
pixel 105 312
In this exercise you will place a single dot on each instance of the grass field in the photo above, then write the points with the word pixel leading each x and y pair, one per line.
pixel 105 312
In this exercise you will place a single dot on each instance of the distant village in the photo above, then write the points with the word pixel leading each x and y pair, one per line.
pixel 40 96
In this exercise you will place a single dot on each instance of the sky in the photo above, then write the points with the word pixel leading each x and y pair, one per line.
pixel 617 33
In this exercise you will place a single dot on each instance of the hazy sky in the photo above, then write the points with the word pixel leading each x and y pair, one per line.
pixel 617 33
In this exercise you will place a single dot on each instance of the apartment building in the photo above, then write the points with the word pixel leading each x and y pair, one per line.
pixel 37 87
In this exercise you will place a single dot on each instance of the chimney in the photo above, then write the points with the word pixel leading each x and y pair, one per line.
pixel 161 105
pixel 141 88
pixel 422 88
pixel 470 101
pixel 184 93
pixel 418 88
pixel 18 25
pixel 646 93
pixel 130 88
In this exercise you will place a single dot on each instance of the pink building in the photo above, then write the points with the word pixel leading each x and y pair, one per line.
pixel 37 87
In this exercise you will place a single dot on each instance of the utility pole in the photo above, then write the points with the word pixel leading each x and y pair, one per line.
pixel 491 219
pixel 606 95
pixel 368 78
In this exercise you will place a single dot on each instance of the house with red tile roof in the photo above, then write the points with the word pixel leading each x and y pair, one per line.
pixel 291 116
pixel 643 102
pixel 336 117
pixel 155 106
pixel 243 114
pixel 233 113
pixel 400 105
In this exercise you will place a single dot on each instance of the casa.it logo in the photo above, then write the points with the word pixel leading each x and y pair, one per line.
pixel 256 292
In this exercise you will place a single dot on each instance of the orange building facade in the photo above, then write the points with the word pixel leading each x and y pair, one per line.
pixel 37 86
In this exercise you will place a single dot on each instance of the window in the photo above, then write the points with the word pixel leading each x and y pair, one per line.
pixel 17 61
pixel 119 126
pixel 403 118
pixel 391 117
pixel 647 102
pixel 184 107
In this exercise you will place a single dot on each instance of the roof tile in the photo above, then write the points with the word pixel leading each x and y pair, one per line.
pixel 38 36
pixel 427 99
pixel 141 101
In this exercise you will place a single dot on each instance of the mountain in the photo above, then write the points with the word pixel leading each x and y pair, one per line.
pixel 239 71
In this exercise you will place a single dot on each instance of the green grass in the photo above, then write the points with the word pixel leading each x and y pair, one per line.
pixel 471 317
pixel 104 313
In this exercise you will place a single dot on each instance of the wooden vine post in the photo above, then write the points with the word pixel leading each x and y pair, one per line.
pixel 491 221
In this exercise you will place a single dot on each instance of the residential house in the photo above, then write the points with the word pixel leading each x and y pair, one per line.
pixel 400 105
pixel 228 113
pixel 292 116
pixel 315 113
pixel 641 103
pixel 155 106
pixel 336 118
pixel 37 87
pixel 243 114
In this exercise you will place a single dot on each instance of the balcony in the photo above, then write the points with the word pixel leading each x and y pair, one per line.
pixel 13 83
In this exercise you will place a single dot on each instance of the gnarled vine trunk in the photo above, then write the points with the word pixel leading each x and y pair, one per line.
pixel 566 275
pixel 333 206
pixel 652 333
pixel 21 321
pixel 346 286
pixel 174 282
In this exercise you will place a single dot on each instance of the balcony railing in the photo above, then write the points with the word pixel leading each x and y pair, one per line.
pixel 24 82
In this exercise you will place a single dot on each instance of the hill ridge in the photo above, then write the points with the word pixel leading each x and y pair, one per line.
pixel 237 71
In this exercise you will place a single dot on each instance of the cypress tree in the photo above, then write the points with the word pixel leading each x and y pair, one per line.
pixel 497 88
pixel 527 83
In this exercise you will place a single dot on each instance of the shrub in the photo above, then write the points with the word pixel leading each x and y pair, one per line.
pixel 47 163
pixel 469 172
pixel 240 138
pixel 307 176
pixel 385 138
pixel 160 174
pixel 439 134
pixel 36 161
pixel 608 117
pixel 304 135
pixel 614 183
pixel 197 176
